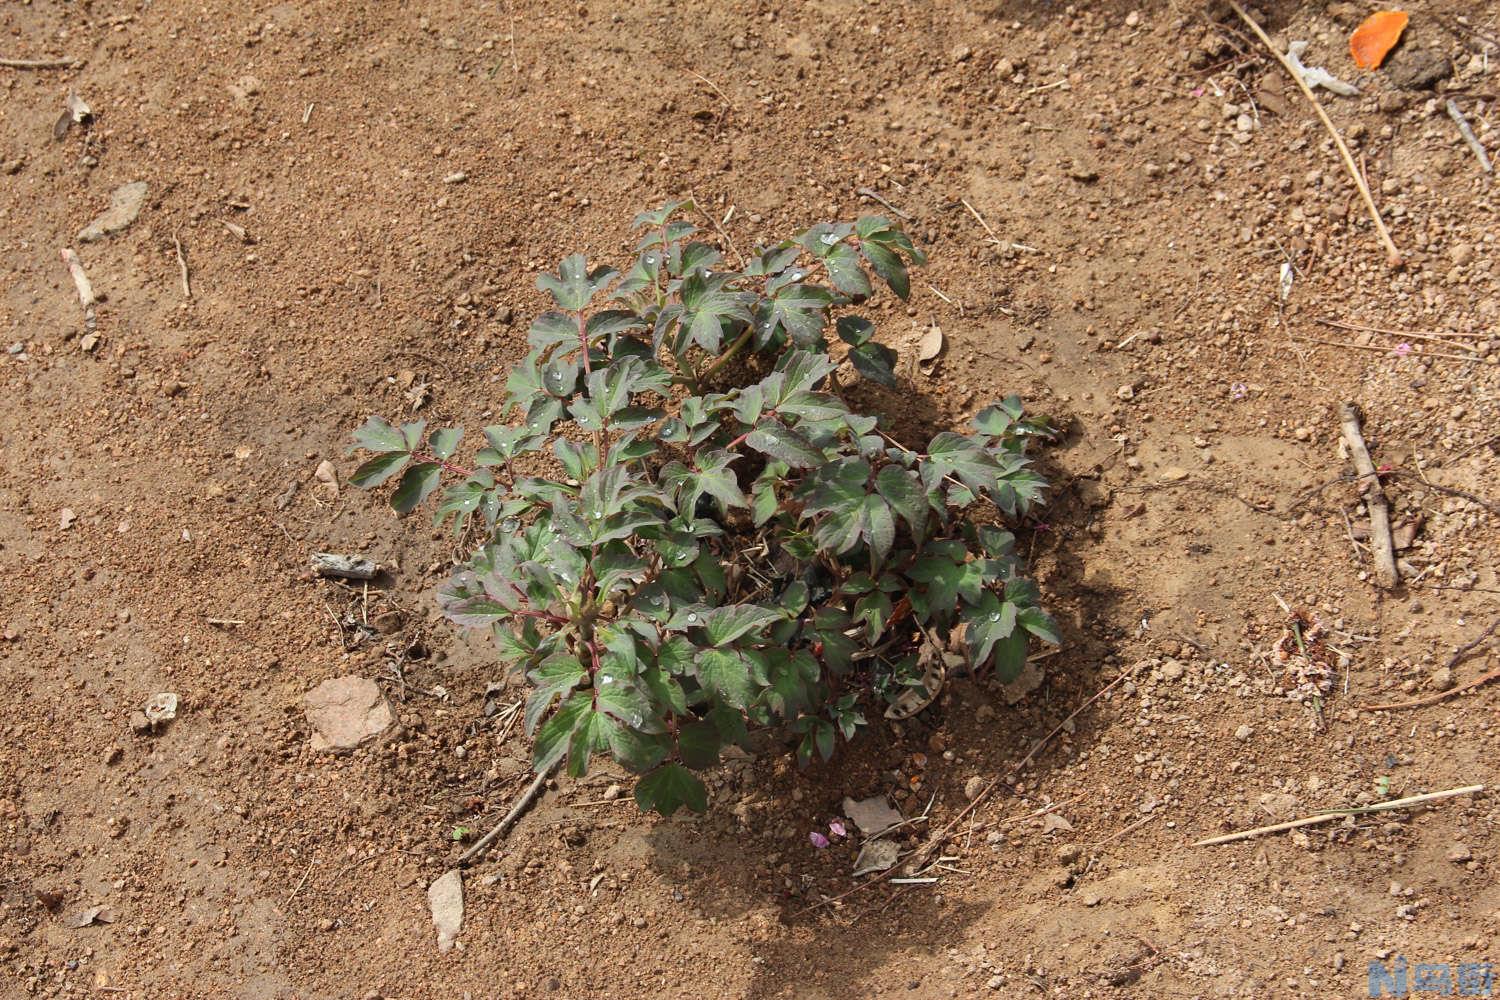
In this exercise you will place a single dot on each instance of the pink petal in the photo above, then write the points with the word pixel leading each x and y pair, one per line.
pixel 818 840
pixel 837 829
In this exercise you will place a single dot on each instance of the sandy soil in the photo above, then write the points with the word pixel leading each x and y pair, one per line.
pixel 1144 173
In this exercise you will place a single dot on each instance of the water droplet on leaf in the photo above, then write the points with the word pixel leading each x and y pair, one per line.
pixel 828 239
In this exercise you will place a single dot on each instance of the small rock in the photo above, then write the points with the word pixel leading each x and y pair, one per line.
pixel 1460 854
pixel 161 709
pixel 139 724
pixel 1125 393
pixel 345 712
pixel 1172 670
pixel 1173 474
pixel 1442 679
pixel 1005 68
pixel 1069 853
pixel 445 897
pixel 1133 19
pixel 125 204
pixel 974 787
pixel 611 793
pixel 1244 733
pixel 1461 254
pixel 66 518
pixel 1417 68
pixel 1091 899
pixel 457 177
pixel 962 54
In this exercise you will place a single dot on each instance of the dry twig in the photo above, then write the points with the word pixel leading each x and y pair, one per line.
pixel 1470 137
pixel 1380 513
pixel 501 828
pixel 1340 814
pixel 1392 255
pixel 1387 350
pixel 182 268
pixel 874 195
pixel 85 288
pixel 38 63
pixel 1453 661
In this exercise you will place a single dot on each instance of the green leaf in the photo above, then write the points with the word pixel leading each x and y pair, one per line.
pixel 875 362
pixel 553 737
pixel 552 328
pixel 726 672
pixel 905 495
pixel 1010 657
pixel 806 405
pixel 845 273
pixel 378 469
pixel 698 744
pixel 554 677
pixel 775 439
pixel 889 266
pixel 415 486
pixel 1040 624
pixel 574 285
pixel 801 310
pixel 377 435
pixel 954 454
pixel 443 442
pixel 724 625
pixel 670 787
pixel 855 330
pixel 988 621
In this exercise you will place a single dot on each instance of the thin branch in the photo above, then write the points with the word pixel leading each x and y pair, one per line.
pixel 39 63
pixel 1453 661
pixel 1340 814
pixel 1392 255
pixel 500 829
pixel 1380 512
pixel 874 195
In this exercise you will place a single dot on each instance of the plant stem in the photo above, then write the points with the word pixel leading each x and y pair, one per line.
pixel 728 354
pixel 457 470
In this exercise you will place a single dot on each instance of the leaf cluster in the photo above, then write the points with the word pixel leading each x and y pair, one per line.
pixel 712 559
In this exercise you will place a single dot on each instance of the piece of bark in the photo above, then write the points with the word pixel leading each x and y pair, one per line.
pixel 1381 545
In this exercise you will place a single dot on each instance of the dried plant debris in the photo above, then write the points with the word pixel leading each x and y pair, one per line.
pixel 1308 665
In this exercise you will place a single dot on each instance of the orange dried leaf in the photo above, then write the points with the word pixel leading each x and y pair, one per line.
pixel 1375 38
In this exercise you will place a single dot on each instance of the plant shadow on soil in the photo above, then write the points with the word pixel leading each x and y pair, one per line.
pixel 752 854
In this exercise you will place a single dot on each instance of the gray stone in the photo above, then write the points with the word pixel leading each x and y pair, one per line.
pixel 1418 69
pixel 345 712
pixel 445 897
pixel 124 205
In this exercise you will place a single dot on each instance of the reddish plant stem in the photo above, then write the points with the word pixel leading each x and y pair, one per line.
pixel 457 470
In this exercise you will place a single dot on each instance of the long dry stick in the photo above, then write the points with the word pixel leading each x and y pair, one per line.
pixel 501 828
pixel 1392 255
pixel 1386 573
pixel 38 63
pixel 1453 661
pixel 1434 338
pixel 182 268
pixel 1340 814
pixel 1363 328
pixel 1469 136
pixel 1387 350
pixel 86 296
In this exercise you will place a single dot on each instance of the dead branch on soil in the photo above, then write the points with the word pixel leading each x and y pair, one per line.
pixel 39 63
pixel 1387 350
pixel 1340 814
pixel 500 829
pixel 1392 255
pixel 1453 661
pixel 872 194
pixel 1380 513
pixel 182 268
pixel 86 296
pixel 1469 136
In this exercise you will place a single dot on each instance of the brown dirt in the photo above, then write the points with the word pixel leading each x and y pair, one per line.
pixel 238 863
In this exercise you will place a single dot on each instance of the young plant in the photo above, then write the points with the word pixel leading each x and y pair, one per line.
pixel 671 562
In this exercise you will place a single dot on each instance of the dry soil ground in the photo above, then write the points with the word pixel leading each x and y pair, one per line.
pixel 1145 173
